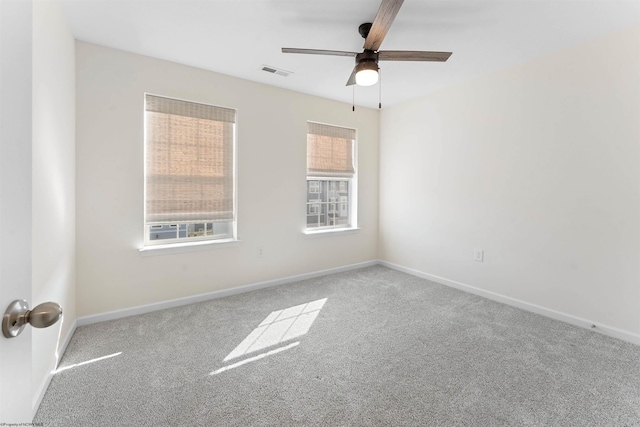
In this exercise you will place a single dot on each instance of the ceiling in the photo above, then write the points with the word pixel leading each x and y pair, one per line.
pixel 239 37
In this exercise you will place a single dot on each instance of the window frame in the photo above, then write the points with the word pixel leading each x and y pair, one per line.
pixel 352 193
pixel 231 236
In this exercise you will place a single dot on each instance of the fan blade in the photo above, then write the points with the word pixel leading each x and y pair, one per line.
pixel 412 55
pixel 318 52
pixel 381 24
pixel 352 78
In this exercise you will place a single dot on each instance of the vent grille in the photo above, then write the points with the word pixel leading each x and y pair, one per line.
pixel 274 70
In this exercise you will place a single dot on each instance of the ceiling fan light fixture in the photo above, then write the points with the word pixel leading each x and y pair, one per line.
pixel 366 73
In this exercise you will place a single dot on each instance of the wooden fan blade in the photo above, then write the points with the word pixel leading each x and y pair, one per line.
pixel 352 78
pixel 384 18
pixel 318 52
pixel 412 55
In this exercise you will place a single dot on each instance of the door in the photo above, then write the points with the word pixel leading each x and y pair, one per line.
pixel 15 202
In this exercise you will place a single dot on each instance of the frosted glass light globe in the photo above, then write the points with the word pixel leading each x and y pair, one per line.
pixel 366 77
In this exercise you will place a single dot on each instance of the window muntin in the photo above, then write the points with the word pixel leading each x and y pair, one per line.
pixel 330 176
pixel 189 171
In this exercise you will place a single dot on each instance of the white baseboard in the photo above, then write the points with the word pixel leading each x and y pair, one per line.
pixel 44 385
pixel 567 318
pixel 147 308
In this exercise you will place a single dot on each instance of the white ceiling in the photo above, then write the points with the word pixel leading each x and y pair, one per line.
pixel 238 37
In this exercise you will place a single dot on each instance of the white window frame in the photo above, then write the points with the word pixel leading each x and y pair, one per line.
pixel 338 202
pixel 339 184
pixel 185 239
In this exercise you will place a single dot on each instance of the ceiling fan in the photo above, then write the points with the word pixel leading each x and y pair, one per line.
pixel 365 73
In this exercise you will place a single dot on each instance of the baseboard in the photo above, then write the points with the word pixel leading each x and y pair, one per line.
pixel 567 318
pixel 44 385
pixel 147 308
pixel 563 317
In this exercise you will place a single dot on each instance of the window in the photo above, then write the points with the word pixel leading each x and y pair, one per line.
pixel 330 176
pixel 314 187
pixel 313 207
pixel 189 171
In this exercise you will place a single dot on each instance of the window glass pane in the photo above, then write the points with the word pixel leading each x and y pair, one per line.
pixel 182 231
pixel 222 228
pixel 195 230
pixel 162 232
pixel 330 207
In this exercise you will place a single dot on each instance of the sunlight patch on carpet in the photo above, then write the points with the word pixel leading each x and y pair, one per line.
pixel 278 327
pixel 97 359
pixel 254 358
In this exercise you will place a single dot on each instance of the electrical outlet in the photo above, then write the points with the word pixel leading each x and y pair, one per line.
pixel 478 255
pixel 260 251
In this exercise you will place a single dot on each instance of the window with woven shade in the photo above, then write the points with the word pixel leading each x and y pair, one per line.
pixel 189 171
pixel 331 171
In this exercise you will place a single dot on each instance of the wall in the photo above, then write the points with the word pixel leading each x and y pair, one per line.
pixel 53 184
pixel 539 165
pixel 111 272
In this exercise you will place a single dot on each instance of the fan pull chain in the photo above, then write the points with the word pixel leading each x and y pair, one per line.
pixel 353 101
pixel 379 89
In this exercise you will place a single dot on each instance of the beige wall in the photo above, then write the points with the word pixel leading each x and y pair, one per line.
pixel 111 272
pixel 539 165
pixel 53 181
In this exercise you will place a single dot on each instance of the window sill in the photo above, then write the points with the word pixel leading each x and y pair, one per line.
pixel 176 248
pixel 330 231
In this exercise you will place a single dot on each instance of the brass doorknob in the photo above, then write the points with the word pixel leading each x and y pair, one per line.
pixel 18 315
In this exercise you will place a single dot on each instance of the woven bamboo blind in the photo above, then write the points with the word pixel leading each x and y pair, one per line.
pixel 329 150
pixel 189 161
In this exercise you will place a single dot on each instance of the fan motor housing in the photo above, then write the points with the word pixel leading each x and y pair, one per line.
pixel 367 56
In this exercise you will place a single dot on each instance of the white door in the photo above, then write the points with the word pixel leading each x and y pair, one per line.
pixel 15 202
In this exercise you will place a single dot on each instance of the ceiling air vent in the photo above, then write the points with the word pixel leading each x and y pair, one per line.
pixel 274 70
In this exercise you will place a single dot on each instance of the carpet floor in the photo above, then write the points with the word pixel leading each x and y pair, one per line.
pixel 369 347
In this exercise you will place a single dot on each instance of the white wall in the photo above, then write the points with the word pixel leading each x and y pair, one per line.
pixel 539 165
pixel 53 183
pixel 112 274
